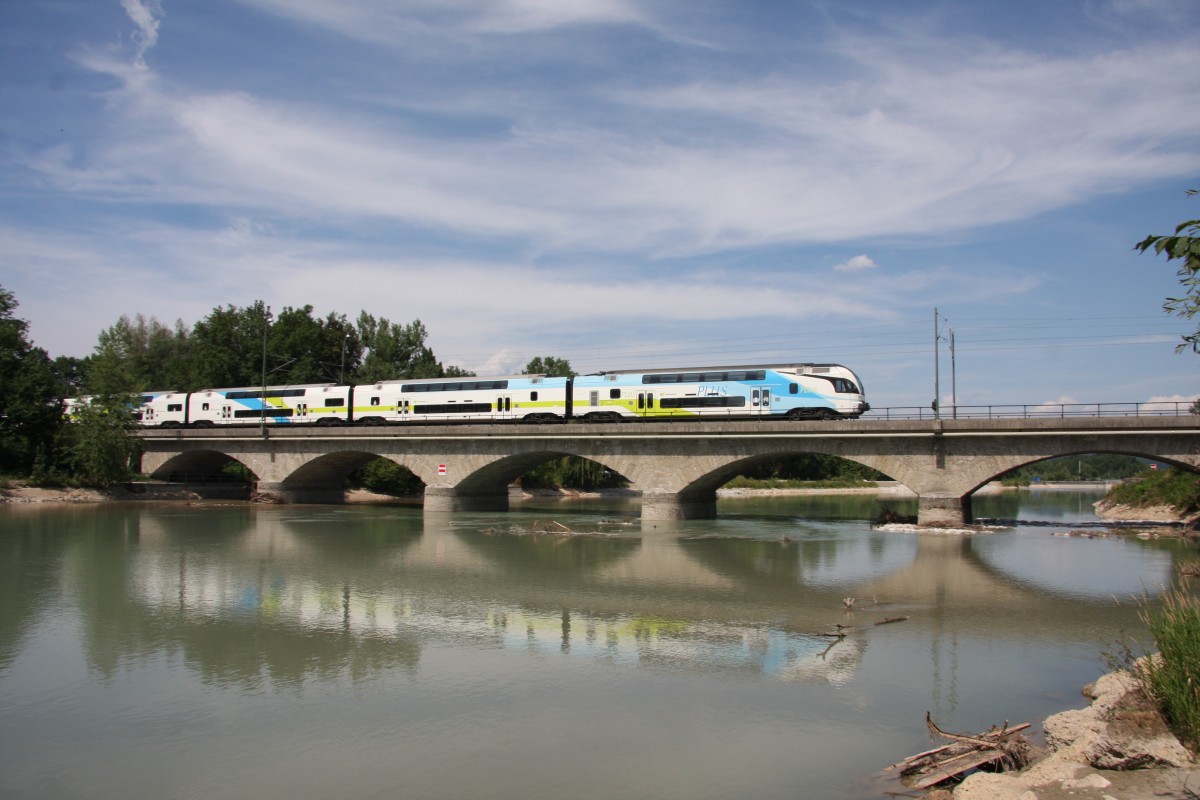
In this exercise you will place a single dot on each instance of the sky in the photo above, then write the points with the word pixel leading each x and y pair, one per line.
pixel 623 183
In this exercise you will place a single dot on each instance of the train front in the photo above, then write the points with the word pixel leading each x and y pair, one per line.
pixel 848 390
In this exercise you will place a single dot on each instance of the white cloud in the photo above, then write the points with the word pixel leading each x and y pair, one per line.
pixel 147 16
pixel 856 264
pixel 1171 404
pixel 922 148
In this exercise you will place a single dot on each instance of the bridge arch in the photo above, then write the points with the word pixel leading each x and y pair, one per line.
pixel 190 465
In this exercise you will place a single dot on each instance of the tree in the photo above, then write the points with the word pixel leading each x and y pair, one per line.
pixel 99 441
pixel 394 351
pixel 307 350
pixel 30 403
pixel 227 346
pixel 550 366
pixel 1185 246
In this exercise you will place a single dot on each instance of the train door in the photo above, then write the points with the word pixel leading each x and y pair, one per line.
pixel 645 404
pixel 760 401
pixel 504 406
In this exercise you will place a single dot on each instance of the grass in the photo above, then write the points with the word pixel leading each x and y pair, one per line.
pixel 1173 678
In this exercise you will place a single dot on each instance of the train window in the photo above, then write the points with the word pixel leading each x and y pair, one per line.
pixel 707 401
pixel 374 401
pixel 532 397
pixel 175 407
pixel 691 377
pixel 453 408
pixel 257 412
pixel 335 402
pixel 793 388
pixel 735 376
pixel 614 394
pixel 204 407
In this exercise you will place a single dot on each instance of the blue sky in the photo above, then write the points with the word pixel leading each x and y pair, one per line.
pixel 622 183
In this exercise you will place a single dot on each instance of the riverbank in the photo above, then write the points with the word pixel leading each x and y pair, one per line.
pixel 1117 747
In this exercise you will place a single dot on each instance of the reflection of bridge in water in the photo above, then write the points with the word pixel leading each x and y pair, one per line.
pixel 240 592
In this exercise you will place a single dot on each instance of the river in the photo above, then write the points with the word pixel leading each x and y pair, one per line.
pixel 234 651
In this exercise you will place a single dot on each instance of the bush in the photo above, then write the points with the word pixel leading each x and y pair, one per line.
pixel 1173 678
pixel 384 476
pixel 1169 487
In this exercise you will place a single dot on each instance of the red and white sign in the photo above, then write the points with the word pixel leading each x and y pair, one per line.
pixel 441 469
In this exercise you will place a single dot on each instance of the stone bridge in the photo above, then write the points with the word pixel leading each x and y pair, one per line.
pixel 677 466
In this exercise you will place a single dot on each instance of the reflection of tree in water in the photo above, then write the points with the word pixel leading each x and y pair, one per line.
pixel 244 654
pixel 854 507
pixel 31 554
pixel 202 585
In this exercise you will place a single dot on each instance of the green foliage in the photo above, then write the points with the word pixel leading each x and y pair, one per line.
pixel 30 406
pixel 100 446
pixel 572 472
pixel 227 347
pixel 384 476
pixel 394 351
pixel 1173 678
pixel 1184 245
pixel 742 482
pixel 812 467
pixel 1163 487
pixel 135 355
pixel 301 349
pixel 1090 467
pixel 550 366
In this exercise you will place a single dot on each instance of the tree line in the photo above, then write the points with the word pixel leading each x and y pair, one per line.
pixel 231 346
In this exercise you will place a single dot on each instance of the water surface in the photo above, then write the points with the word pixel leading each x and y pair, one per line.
pixel 370 652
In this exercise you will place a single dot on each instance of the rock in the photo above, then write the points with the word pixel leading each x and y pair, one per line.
pixel 1093 781
pixel 1120 733
pixel 1084 726
pixel 992 786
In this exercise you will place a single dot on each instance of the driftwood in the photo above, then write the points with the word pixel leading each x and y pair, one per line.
pixel 1000 748
pixel 841 630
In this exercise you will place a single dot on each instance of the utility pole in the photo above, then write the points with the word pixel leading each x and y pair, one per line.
pixel 953 378
pixel 262 419
pixel 937 373
pixel 937 370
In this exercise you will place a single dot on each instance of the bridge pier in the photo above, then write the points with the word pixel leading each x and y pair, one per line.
pixel 658 505
pixel 937 510
pixel 283 493
pixel 448 499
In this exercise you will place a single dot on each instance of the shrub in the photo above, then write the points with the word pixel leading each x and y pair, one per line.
pixel 1170 487
pixel 1173 678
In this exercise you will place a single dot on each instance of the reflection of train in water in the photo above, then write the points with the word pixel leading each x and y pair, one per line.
pixel 798 391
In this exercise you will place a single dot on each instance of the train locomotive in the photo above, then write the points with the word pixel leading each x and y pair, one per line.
pixel 774 391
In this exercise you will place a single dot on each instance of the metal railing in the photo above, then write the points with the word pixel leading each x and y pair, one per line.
pixel 1159 408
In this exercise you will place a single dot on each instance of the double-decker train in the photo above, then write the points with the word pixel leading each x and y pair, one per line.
pixel 790 391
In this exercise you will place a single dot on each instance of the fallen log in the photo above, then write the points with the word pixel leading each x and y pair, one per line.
pixel 999 748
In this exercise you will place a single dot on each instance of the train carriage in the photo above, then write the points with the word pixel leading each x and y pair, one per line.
pixel 319 404
pixel 801 391
pixel 526 398
pixel 164 409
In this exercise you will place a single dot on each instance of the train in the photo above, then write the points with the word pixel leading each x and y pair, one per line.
pixel 776 391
